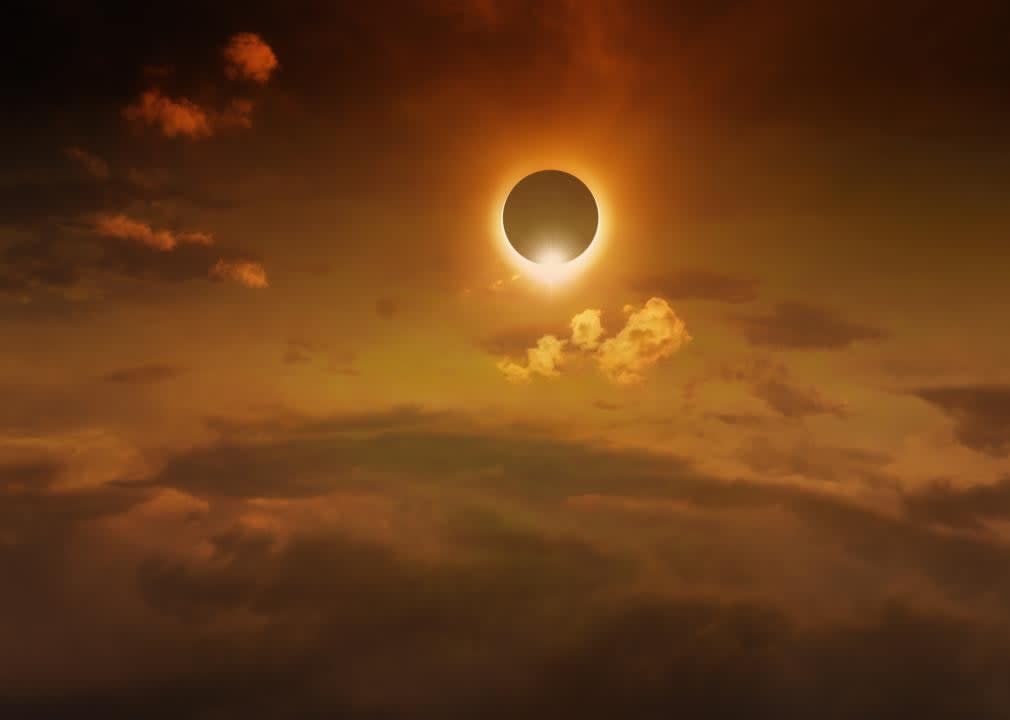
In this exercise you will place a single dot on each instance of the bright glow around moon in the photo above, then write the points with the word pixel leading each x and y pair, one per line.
pixel 549 267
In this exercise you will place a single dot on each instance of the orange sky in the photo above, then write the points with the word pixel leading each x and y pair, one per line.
pixel 284 430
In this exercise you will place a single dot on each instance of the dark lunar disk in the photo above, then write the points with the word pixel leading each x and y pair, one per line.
pixel 550 214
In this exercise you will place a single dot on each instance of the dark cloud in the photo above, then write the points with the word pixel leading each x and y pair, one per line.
pixel 69 235
pixel 302 351
pixel 56 258
pixel 699 284
pixel 739 419
pixel 793 401
pixel 798 326
pixel 817 462
pixel 387 307
pixel 95 166
pixel 966 507
pixel 981 414
pixel 607 405
pixel 143 374
pixel 657 595
pixel 773 382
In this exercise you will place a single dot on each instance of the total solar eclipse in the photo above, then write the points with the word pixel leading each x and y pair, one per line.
pixel 550 217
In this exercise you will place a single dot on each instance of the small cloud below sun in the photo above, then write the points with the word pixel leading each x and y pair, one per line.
pixel 650 334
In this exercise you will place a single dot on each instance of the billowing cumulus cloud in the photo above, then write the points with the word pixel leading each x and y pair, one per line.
pixel 587 329
pixel 245 272
pixel 651 333
pixel 545 359
pixel 123 227
pixel 171 117
pixel 247 57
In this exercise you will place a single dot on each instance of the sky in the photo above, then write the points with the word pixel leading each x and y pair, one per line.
pixel 287 431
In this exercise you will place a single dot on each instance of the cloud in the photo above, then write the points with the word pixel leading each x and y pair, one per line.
pixel 961 507
pixel 300 351
pixel 699 284
pixel 182 117
pixel 587 329
pixel 295 560
pixel 387 307
pixel 981 414
pixel 797 326
pixel 237 114
pixel 650 334
pixel 817 463
pixel 545 360
pixel 248 57
pixel 92 164
pixel 143 374
pixel 122 227
pixel 245 272
pixel 773 383
pixel 171 117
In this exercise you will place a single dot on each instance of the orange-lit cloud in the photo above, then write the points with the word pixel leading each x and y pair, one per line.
pixel 545 359
pixel 123 227
pixel 245 272
pixel 238 114
pixel 183 117
pixel 248 57
pixel 171 117
pixel 651 333
pixel 587 329
pixel 92 164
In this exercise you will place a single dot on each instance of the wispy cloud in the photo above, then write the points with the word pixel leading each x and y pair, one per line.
pixel 123 227
pixel 249 273
pixel 92 164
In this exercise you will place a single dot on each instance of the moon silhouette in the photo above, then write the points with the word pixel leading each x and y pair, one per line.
pixel 550 217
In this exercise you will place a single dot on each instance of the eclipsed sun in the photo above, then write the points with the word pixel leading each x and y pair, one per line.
pixel 550 220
